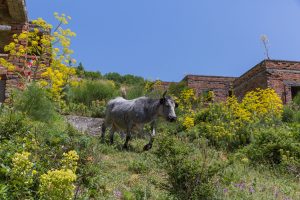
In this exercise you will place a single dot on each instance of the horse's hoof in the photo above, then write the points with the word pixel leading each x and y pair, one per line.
pixel 147 147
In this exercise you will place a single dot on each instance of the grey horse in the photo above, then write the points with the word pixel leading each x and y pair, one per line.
pixel 131 115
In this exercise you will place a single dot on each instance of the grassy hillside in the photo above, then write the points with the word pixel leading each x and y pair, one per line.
pixel 229 150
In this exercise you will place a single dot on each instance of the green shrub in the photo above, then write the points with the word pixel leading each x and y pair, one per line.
pixel 57 184
pixel 11 125
pixel 135 92
pixel 34 103
pixel 89 91
pixel 141 192
pixel 296 99
pixel 190 172
pixel 288 114
pixel 275 145
pixel 139 166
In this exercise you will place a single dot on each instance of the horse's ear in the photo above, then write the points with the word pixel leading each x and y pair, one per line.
pixel 164 94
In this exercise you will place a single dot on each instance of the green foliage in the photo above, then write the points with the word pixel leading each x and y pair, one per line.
pixel 127 79
pixel 33 102
pixel 190 172
pixel 21 176
pixel 11 125
pixel 139 166
pixel 296 99
pixel 57 184
pixel 275 145
pixel 288 114
pixel 176 88
pixel 89 91
pixel 135 91
pixel 82 73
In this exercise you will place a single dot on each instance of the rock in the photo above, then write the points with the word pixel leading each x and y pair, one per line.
pixel 88 125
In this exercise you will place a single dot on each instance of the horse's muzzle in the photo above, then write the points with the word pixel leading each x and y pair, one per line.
pixel 172 119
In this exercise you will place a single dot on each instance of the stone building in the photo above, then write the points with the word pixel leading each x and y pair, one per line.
pixel 220 85
pixel 282 76
pixel 13 19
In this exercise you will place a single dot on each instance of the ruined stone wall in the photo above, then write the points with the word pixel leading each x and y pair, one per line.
pixel 218 84
pixel 282 76
pixel 12 78
pixel 252 79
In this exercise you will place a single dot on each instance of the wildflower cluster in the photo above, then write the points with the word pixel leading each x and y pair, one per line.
pixel 44 53
pixel 22 168
pixel 263 103
pixel 226 123
pixel 70 160
pixel 186 101
pixel 57 184
pixel 21 175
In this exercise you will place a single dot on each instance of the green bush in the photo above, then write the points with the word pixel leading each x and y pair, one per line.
pixel 89 91
pixel 57 184
pixel 288 114
pixel 139 166
pixel 190 171
pixel 296 99
pixel 135 92
pixel 33 101
pixel 275 145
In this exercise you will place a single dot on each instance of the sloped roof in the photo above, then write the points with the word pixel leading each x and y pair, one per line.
pixel 12 11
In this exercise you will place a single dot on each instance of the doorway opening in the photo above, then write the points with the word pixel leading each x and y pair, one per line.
pixel 295 91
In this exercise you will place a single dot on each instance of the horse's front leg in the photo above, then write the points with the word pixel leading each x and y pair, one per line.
pixel 152 135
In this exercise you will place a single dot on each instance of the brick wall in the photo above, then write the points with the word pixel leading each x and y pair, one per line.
pixel 282 76
pixel 252 79
pixel 218 84
pixel 276 74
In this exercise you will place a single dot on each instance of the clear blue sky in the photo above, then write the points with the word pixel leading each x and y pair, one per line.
pixel 167 39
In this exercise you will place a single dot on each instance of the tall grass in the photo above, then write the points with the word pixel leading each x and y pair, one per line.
pixel 89 91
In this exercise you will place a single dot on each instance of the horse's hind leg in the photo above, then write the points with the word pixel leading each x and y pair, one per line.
pixel 128 137
pixel 112 132
pixel 103 132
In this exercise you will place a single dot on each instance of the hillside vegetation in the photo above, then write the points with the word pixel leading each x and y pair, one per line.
pixel 248 149
pixel 230 150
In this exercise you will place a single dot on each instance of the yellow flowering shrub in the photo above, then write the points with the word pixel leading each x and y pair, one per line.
pixel 57 184
pixel 237 111
pixel 44 53
pixel 228 123
pixel 21 176
pixel 70 160
pixel 22 168
pixel 188 122
pixel 263 103
pixel 186 101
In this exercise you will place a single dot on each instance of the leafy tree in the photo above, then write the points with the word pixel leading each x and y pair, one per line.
pixel 80 67
pixel 92 75
pixel 114 76
pixel 176 88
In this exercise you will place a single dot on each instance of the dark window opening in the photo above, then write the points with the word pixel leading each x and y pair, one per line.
pixel 2 90
pixel 207 95
pixel 295 91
